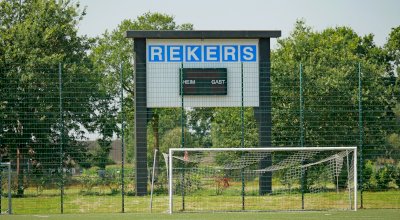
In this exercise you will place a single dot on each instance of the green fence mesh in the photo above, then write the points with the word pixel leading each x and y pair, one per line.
pixel 68 130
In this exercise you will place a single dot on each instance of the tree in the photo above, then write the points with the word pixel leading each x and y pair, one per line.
pixel 111 50
pixel 38 39
pixel 392 47
pixel 393 51
pixel 330 60
pixel 199 122
pixel 226 128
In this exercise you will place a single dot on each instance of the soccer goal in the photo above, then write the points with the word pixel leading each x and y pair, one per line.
pixel 262 179
pixel 5 188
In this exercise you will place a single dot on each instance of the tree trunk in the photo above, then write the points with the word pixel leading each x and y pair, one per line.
pixel 20 173
pixel 156 144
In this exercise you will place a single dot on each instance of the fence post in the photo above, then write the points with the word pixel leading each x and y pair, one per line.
pixel 242 107
pixel 122 141
pixel 242 132
pixel 9 190
pixel 301 107
pixel 182 137
pixel 361 133
pixel 61 139
pixel 182 108
pixel 302 131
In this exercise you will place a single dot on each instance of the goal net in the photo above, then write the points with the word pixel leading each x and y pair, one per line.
pixel 262 179
pixel 5 188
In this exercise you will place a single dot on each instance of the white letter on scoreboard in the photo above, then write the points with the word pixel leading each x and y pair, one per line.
pixel 191 53
pixel 248 53
pixel 175 53
pixel 211 53
pixel 156 53
pixel 230 53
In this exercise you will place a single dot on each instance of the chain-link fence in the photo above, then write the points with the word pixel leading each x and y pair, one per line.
pixel 68 130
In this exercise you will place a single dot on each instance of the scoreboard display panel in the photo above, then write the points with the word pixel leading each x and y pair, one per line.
pixel 203 81
pixel 206 72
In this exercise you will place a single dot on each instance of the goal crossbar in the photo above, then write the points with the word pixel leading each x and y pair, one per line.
pixel 258 149
pixel 263 149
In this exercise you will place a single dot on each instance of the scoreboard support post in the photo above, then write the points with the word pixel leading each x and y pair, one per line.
pixel 141 114
pixel 263 113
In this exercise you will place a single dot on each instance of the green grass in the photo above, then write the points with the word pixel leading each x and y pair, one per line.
pixel 361 214
pixel 49 202
pixel 388 199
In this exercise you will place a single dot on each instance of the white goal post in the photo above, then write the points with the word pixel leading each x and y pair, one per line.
pixel 290 168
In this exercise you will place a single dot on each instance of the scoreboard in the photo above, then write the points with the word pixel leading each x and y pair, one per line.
pixel 203 81
pixel 202 72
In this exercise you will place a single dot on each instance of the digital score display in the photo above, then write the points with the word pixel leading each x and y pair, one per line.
pixel 204 81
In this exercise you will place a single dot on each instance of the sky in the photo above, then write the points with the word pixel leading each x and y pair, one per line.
pixel 364 16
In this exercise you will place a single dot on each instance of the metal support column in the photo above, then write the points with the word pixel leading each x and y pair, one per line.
pixel 140 117
pixel 361 134
pixel 263 112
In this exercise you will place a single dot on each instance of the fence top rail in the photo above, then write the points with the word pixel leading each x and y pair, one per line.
pixel 264 149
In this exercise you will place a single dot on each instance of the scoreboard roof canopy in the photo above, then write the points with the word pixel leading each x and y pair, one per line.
pixel 204 34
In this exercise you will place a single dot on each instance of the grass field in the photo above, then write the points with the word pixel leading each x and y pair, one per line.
pixel 75 203
pixel 101 200
pixel 361 214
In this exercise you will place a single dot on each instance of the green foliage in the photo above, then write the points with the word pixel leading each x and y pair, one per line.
pixel 380 176
pixel 41 32
pixel 100 155
pixel 384 176
pixel 330 60
pixel 199 121
pixel 41 182
pixel 113 49
pixel 167 123
pixel 394 141
pixel 226 128
pixel 173 139
pixel 190 182
pixel 88 182
pixel 34 37
pixel 367 175
pixel 223 158
pixel 161 185
pixel 397 175
pixel 97 177
pixel 393 49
